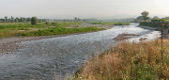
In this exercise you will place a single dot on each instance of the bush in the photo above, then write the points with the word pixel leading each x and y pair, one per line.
pixel 47 23
pixel 53 23
pixel 34 20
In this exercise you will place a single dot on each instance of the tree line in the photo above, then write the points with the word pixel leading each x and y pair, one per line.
pixel 145 17
pixel 11 19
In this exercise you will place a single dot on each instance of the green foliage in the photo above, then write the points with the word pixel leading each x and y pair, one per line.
pixel 119 23
pixel 34 20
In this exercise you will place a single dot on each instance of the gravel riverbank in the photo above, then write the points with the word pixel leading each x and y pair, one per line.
pixel 12 44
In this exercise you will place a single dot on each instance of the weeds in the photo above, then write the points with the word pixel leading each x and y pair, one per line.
pixel 140 61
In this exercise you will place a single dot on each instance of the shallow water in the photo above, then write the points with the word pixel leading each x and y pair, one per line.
pixel 47 59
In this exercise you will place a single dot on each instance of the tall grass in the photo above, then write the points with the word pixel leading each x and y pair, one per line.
pixel 129 61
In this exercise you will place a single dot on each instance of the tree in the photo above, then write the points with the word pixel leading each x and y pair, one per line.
pixel 155 17
pixel 12 19
pixel 6 18
pixel 28 19
pixel 17 19
pixel 145 15
pixel 75 18
pixel 34 20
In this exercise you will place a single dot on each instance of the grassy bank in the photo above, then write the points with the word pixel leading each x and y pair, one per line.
pixel 156 23
pixel 108 23
pixel 60 30
pixel 136 61
pixel 41 29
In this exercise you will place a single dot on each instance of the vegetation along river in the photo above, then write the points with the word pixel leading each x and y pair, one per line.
pixel 46 59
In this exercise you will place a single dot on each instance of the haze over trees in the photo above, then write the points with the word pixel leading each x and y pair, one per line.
pixel 17 19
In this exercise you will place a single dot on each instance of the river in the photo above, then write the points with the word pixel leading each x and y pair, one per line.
pixel 46 59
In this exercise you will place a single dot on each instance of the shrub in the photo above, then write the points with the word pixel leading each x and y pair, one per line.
pixel 34 20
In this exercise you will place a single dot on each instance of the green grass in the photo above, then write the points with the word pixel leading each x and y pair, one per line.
pixel 60 30
pixel 19 26
pixel 14 29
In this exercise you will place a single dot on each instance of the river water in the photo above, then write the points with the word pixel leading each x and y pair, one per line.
pixel 47 59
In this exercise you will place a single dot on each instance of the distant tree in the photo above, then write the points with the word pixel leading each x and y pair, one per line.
pixel 34 20
pixel 12 19
pixel 78 19
pixel 9 20
pixel 6 18
pixel 140 18
pixel 155 17
pixel 28 19
pixel 17 19
pixel 2 20
pixel 75 18
pixel 145 15
pixel 40 20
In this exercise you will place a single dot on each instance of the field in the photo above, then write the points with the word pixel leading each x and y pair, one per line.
pixel 129 61
pixel 51 28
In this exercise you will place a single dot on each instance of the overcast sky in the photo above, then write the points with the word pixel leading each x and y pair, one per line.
pixel 101 9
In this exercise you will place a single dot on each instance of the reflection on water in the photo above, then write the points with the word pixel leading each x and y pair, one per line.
pixel 47 58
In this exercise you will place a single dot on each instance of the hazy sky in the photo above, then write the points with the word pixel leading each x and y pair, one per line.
pixel 101 9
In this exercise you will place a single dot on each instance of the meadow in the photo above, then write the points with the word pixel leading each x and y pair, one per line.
pixel 129 61
pixel 25 29
pixel 42 29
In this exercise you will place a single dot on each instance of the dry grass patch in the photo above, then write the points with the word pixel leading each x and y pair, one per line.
pixel 129 61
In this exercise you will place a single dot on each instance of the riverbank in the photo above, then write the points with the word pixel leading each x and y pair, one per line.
pixel 165 33
pixel 129 61
pixel 12 44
